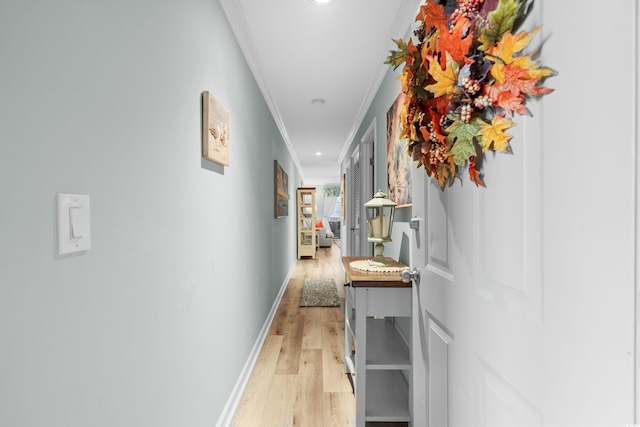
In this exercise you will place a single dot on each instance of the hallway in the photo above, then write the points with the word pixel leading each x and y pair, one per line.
pixel 299 378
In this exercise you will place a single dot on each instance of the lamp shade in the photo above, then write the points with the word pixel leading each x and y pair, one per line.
pixel 380 212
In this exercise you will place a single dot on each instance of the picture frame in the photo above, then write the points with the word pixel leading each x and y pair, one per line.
pixel 215 130
pixel 281 191
pixel 399 185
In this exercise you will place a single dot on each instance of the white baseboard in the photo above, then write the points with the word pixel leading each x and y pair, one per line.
pixel 229 411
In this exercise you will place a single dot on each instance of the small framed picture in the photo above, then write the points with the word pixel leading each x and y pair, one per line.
pixel 215 130
pixel 281 193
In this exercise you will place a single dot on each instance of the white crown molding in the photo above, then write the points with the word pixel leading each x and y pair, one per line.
pixel 236 17
pixel 398 30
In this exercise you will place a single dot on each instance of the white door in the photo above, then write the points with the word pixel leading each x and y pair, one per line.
pixel 359 191
pixel 354 194
pixel 524 313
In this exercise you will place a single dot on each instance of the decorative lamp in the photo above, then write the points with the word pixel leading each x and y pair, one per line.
pixel 380 211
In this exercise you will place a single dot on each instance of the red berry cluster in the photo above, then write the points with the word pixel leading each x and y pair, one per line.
pixel 437 154
pixel 482 102
pixel 433 137
pixel 470 85
pixel 465 113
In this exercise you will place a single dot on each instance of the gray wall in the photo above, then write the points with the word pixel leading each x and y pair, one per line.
pixel 384 98
pixel 152 326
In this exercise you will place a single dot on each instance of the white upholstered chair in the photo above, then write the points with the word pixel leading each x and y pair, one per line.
pixel 325 235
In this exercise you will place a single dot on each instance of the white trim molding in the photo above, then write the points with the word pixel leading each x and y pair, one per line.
pixel 230 409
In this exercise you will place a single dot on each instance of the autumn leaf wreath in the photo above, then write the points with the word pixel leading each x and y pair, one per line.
pixel 464 76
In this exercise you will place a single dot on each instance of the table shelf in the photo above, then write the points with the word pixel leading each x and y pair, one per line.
pixel 381 364
pixel 387 397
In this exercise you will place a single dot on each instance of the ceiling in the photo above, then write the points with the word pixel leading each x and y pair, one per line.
pixel 299 51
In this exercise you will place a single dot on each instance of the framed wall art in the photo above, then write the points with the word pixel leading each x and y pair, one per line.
pixel 281 193
pixel 215 130
pixel 398 160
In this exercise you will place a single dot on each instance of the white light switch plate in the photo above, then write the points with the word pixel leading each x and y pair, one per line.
pixel 74 223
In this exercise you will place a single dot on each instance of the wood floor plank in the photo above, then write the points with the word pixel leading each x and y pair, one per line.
pixel 260 381
pixel 279 403
pixel 289 360
pixel 333 358
pixel 299 379
pixel 309 406
pixel 285 307
pixel 312 334
pixel 338 410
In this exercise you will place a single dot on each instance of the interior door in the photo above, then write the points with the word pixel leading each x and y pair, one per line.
pixel 360 179
pixel 355 202
pixel 510 325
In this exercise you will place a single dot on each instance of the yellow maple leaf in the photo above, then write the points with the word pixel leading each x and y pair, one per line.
pixel 428 49
pixel 533 68
pixel 404 78
pixel 508 46
pixel 493 135
pixel 446 79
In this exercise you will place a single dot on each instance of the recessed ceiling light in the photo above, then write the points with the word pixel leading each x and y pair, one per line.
pixel 321 2
pixel 318 154
pixel 317 101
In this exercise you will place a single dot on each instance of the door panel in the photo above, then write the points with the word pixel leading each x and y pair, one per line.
pixel 501 333
pixel 438 236
pixel 509 211
pixel 438 383
pixel 503 406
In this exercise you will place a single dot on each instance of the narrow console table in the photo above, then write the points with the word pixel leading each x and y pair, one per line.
pixel 381 365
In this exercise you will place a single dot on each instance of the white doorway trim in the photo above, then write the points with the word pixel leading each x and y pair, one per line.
pixel 637 217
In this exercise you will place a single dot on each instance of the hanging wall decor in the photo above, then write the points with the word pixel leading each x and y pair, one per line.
pixel 464 75
pixel 215 130
pixel 398 160
pixel 281 193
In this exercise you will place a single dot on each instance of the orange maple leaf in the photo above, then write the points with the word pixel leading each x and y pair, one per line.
pixel 474 173
pixel 426 136
pixel 437 129
pixel 442 105
pixel 432 14
pixel 510 94
pixel 506 99
pixel 454 43
pixel 529 87
pixel 508 46
pixel 411 57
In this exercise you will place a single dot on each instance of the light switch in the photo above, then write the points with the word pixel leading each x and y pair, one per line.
pixel 74 223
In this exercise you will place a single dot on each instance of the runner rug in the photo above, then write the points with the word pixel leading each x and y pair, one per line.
pixel 319 293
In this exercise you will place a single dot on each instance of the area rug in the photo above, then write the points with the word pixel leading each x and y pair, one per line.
pixel 319 293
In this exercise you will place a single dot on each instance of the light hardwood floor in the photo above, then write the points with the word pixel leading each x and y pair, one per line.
pixel 299 379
